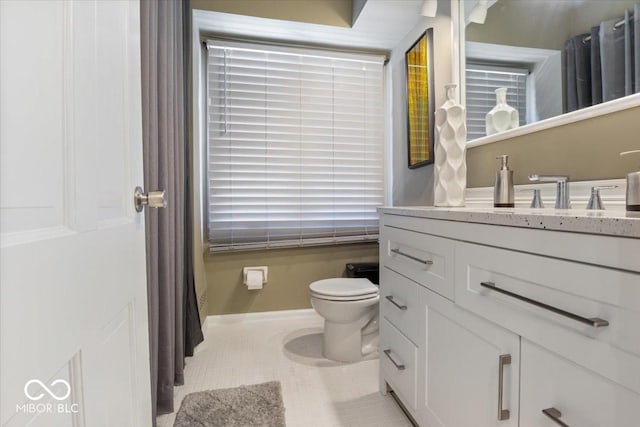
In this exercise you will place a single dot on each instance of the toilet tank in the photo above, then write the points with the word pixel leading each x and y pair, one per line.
pixel 367 270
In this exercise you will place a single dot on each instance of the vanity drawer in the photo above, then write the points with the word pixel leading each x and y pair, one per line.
pixel 582 397
pixel 398 357
pixel 587 313
pixel 426 259
pixel 399 302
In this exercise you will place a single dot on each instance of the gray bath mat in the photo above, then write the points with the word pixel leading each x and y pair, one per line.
pixel 244 406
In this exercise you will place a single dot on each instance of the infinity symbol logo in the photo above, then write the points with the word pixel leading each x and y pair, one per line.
pixel 48 390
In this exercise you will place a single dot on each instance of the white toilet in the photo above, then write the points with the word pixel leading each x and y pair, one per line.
pixel 350 310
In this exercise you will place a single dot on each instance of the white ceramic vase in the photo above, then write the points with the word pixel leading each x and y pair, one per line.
pixel 450 173
pixel 503 116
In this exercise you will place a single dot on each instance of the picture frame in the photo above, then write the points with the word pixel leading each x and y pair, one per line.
pixel 420 101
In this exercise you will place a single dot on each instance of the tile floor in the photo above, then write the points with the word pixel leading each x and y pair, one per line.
pixel 316 392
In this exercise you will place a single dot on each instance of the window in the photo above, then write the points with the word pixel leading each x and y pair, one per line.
pixel 295 144
pixel 481 82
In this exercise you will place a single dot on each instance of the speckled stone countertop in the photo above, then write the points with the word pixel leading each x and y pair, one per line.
pixel 606 222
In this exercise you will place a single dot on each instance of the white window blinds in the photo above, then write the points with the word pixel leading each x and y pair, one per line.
pixel 295 143
pixel 481 83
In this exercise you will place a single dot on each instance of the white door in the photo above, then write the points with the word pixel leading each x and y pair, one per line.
pixel 74 340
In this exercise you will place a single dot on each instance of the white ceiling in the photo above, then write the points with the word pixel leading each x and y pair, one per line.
pixel 380 26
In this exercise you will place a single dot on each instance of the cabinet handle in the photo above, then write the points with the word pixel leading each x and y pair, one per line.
pixel 555 415
pixel 594 322
pixel 504 359
pixel 399 367
pixel 392 301
pixel 404 254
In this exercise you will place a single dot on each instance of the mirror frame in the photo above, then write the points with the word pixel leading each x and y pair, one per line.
pixel 458 63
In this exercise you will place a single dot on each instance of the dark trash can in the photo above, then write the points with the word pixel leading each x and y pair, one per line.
pixel 367 270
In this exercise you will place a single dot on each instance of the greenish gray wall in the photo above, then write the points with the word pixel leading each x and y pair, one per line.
pixel 290 273
pixel 588 15
pixel 326 12
pixel 415 186
pixel 543 24
pixel 586 150
pixel 521 23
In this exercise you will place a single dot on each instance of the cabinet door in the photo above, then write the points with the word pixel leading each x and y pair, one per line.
pixel 461 366
pixel 580 396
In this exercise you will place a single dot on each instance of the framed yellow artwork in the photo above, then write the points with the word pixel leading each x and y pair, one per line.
pixel 420 102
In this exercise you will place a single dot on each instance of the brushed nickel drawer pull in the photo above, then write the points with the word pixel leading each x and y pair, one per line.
pixel 555 415
pixel 594 322
pixel 504 359
pixel 392 301
pixel 399 367
pixel 411 257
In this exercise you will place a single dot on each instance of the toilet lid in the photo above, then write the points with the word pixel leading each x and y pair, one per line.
pixel 357 287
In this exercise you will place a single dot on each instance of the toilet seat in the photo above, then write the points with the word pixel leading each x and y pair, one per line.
pixel 342 289
pixel 335 298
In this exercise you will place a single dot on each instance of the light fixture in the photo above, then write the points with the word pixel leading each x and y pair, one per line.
pixel 479 12
pixel 429 8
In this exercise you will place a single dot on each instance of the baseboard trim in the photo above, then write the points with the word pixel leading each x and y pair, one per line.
pixel 204 326
pixel 226 319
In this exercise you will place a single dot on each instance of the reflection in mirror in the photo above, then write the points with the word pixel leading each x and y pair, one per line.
pixel 552 56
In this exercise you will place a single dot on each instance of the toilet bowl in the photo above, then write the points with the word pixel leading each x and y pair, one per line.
pixel 350 311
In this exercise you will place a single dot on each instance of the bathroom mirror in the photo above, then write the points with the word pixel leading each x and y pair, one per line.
pixel 561 61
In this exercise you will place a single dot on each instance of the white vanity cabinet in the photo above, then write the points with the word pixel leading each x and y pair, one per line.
pixel 448 366
pixel 513 326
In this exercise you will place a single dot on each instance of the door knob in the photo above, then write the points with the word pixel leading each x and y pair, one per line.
pixel 154 199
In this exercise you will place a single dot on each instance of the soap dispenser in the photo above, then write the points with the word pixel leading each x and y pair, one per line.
pixel 503 190
pixel 633 186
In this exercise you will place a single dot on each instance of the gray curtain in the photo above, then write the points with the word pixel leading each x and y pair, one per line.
pixel 629 61
pixel 579 67
pixel 603 65
pixel 171 295
pixel 571 83
pixel 596 66
pixel 612 57
pixel 636 45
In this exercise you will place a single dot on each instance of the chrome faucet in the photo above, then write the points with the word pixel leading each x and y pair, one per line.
pixel 595 202
pixel 536 202
pixel 563 200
